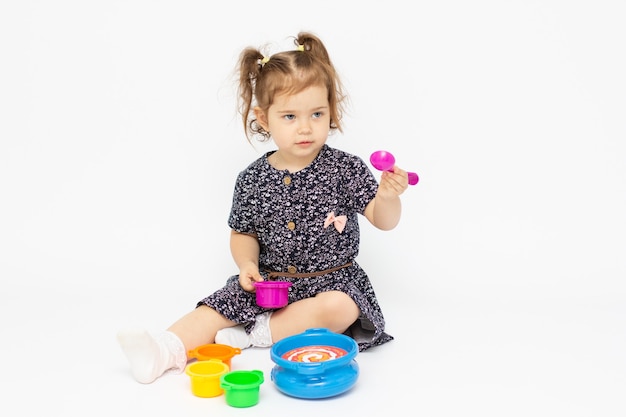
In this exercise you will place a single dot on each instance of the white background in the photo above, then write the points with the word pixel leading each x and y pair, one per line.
pixel 503 283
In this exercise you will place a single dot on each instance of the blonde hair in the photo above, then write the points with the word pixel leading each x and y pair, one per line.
pixel 263 78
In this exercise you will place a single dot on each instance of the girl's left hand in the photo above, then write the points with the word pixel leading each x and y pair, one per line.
pixel 392 184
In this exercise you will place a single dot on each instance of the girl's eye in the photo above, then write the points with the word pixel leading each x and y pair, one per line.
pixel 317 114
pixel 289 117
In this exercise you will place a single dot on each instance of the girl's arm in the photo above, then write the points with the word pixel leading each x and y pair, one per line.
pixel 245 251
pixel 385 209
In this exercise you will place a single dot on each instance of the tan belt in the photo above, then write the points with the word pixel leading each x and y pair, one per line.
pixel 272 274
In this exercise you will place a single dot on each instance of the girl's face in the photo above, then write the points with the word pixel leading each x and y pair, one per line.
pixel 299 125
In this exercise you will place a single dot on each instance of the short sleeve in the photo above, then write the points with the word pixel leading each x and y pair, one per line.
pixel 242 212
pixel 360 184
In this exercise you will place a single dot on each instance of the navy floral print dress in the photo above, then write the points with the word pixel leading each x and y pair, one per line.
pixel 290 213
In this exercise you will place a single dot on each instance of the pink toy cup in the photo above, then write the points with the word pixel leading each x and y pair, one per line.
pixel 272 294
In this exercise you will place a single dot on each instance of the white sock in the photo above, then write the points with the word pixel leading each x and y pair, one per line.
pixel 151 356
pixel 236 336
pixel 233 336
pixel 261 335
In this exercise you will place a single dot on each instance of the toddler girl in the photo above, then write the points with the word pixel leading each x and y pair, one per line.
pixel 294 217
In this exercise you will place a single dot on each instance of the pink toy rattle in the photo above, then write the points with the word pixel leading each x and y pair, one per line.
pixel 384 161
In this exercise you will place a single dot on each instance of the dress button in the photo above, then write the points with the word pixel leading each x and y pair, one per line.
pixel 287 180
pixel 291 269
pixel 291 225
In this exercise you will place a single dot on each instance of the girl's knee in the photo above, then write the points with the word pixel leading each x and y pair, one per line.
pixel 338 307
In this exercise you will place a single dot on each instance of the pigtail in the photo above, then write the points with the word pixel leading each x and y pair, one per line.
pixel 250 65
pixel 310 45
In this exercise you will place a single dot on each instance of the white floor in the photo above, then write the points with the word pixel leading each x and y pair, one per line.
pixel 454 357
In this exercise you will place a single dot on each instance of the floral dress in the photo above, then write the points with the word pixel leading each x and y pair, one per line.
pixel 306 223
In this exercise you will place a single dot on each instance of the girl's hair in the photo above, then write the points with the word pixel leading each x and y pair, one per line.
pixel 262 78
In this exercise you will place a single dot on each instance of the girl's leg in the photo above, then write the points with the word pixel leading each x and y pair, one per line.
pixel 333 310
pixel 152 355
pixel 198 327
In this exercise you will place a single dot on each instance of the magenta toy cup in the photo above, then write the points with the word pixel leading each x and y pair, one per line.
pixel 272 294
pixel 384 161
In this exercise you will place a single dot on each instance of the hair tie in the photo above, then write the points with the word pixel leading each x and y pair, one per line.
pixel 265 60
pixel 300 48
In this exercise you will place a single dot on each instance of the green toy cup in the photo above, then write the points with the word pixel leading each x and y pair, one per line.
pixel 241 388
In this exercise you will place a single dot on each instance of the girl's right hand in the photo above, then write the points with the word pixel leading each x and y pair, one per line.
pixel 247 276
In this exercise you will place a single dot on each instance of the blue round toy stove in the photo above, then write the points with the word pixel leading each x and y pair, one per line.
pixel 315 364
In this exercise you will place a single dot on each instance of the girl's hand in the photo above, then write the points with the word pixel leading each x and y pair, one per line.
pixel 248 275
pixel 392 184
pixel 385 209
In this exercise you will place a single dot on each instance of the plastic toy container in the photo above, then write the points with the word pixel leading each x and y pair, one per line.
pixel 214 351
pixel 315 364
pixel 205 377
pixel 241 388
pixel 272 294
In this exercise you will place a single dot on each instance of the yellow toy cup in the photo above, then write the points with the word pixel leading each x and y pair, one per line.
pixel 214 351
pixel 205 377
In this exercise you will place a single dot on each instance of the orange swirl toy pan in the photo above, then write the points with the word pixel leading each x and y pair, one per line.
pixel 315 364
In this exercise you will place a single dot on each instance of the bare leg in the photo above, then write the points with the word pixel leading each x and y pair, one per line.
pixel 198 327
pixel 333 310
